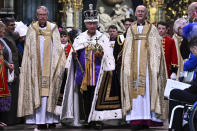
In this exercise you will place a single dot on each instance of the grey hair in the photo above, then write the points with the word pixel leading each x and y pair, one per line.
pixel 146 11
pixel 179 22
pixel 2 25
pixel 43 8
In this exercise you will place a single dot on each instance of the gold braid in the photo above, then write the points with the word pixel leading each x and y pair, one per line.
pixel 118 40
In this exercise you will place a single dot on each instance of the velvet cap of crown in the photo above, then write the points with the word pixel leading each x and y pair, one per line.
pixel 91 15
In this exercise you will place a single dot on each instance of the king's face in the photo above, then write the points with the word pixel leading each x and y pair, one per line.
pixel 91 26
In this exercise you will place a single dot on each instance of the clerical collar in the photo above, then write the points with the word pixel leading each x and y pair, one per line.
pixel 42 26
pixel 140 24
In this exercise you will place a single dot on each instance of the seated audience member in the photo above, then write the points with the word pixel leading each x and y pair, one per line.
pixel 190 64
pixel 188 95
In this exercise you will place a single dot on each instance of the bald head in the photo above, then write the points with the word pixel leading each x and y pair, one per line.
pixel 139 7
pixel 192 10
pixel 141 13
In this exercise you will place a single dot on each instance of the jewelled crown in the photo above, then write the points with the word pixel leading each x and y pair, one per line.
pixel 91 15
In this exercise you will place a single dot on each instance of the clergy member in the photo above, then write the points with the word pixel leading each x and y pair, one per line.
pixel 41 73
pixel 143 74
pixel 178 38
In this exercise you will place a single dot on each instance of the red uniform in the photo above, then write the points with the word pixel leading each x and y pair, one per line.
pixel 67 50
pixel 170 53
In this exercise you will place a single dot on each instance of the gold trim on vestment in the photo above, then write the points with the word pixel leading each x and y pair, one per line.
pixel 62 52
pixel 105 89
pixel 90 69
pixel 138 82
pixel 109 89
pixel 178 41
pixel 94 83
pixel 44 76
pixel 89 76
pixel 118 40
pixel 85 77
pixel 121 47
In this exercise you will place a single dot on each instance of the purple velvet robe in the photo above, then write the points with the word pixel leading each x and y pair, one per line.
pixel 95 66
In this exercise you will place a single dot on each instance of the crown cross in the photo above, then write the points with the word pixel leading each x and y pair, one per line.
pixel 96 40
pixel 91 6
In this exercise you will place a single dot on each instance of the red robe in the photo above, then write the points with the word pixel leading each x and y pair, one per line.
pixel 3 77
pixel 170 53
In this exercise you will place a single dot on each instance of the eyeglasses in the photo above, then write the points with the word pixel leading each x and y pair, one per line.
pixel 140 11
pixel 42 14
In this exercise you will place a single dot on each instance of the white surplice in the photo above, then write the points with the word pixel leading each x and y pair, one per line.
pixel 141 104
pixel 41 116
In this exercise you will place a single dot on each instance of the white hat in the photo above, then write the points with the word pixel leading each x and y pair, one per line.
pixel 21 28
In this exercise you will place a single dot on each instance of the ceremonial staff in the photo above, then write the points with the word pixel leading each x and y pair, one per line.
pixel 82 71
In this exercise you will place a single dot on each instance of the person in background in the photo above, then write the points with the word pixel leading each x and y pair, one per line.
pixel 6 64
pixel 169 48
pixel 64 42
pixel 143 75
pixel 41 75
pixel 73 34
pixel 21 28
pixel 127 24
pixel 118 42
pixel 178 38
pixel 189 95
pixel 184 48
pixel 66 46
pixel 192 12
pixel 10 38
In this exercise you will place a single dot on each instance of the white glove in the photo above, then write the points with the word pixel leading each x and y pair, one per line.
pixel 173 76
